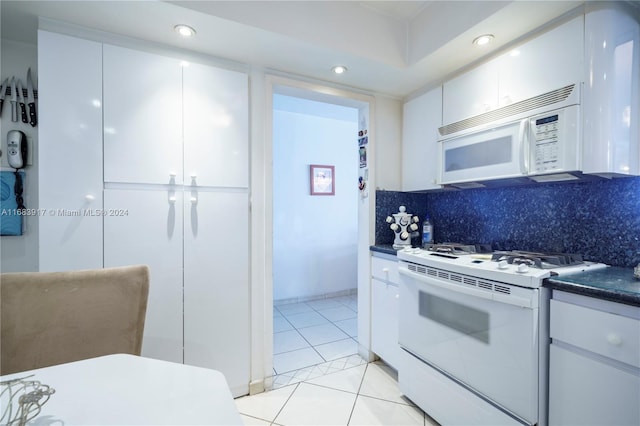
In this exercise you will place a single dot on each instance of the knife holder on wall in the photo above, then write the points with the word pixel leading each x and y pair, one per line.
pixel 22 100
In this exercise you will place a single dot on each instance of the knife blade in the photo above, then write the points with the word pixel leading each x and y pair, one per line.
pixel 14 100
pixel 23 107
pixel 3 91
pixel 31 100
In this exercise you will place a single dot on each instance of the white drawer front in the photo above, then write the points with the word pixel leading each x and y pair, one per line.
pixel 445 400
pixel 385 269
pixel 583 391
pixel 610 335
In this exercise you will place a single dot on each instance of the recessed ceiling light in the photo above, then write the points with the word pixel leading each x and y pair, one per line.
pixel 483 39
pixel 184 30
pixel 339 69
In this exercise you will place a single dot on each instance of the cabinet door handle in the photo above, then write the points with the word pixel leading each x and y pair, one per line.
pixel 614 339
pixel 89 198
pixel 385 270
pixel 172 200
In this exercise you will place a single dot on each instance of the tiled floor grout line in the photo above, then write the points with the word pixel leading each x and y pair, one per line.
pixel 310 344
pixel 358 393
pixel 319 354
pixel 292 373
pixel 285 403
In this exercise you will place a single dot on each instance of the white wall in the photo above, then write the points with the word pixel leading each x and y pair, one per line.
pixel 315 237
pixel 20 253
pixel 388 155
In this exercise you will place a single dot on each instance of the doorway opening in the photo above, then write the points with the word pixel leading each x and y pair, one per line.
pixel 315 238
pixel 262 288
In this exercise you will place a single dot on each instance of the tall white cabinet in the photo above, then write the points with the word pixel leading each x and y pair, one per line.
pixel 169 162
pixel 69 152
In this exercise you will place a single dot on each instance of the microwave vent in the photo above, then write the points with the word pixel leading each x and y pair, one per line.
pixel 530 104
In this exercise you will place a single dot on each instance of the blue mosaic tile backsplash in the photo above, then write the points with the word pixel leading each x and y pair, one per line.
pixel 600 219
pixel 388 202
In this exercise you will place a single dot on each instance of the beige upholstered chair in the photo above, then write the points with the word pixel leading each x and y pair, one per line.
pixel 49 318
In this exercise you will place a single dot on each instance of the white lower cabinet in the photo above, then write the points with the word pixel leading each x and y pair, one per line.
pixel 594 374
pixel 384 309
pixel 150 232
pixel 216 284
pixel 587 391
pixel 384 321
pixel 196 246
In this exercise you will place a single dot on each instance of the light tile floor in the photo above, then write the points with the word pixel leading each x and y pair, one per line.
pixel 366 394
pixel 314 338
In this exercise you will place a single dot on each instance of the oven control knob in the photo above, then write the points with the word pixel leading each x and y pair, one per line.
pixel 523 267
pixel 503 264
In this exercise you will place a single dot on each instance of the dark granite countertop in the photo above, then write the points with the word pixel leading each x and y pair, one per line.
pixel 384 248
pixel 613 283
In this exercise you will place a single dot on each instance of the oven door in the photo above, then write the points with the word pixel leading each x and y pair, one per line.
pixel 484 339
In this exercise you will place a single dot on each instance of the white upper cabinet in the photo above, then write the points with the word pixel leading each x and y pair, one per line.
pixel 421 118
pixel 142 117
pixel 612 95
pixel 216 127
pixel 471 93
pixel 69 152
pixel 545 63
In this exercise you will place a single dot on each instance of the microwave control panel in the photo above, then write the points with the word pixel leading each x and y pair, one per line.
pixel 547 147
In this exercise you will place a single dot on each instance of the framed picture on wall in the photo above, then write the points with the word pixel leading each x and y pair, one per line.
pixel 322 180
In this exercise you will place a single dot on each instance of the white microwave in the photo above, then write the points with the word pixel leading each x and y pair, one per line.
pixel 543 144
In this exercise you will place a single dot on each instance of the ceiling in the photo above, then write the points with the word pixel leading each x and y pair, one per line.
pixel 393 48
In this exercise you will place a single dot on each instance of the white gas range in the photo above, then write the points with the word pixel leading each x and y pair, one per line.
pixel 521 268
pixel 474 329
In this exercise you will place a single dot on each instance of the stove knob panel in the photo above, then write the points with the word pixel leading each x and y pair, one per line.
pixel 523 267
pixel 503 264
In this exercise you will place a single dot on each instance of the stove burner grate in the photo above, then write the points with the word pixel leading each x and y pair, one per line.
pixel 538 260
pixel 458 248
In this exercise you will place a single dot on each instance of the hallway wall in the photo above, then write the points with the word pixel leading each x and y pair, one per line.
pixel 315 237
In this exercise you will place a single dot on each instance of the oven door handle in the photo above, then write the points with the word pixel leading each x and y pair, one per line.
pixel 498 298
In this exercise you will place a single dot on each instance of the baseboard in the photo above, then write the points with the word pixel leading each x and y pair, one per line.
pixel 366 354
pixel 255 387
pixel 347 292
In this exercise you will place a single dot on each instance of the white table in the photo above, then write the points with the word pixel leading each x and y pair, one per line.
pixel 126 389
